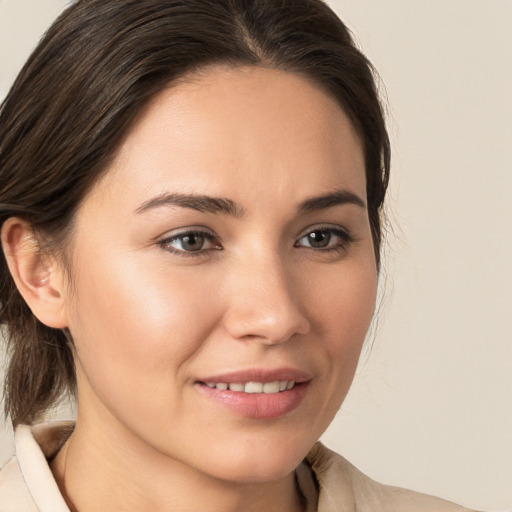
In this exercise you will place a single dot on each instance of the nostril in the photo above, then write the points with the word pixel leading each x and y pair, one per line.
pixel 269 330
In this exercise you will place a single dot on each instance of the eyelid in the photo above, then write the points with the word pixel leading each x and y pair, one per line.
pixel 171 236
pixel 175 233
pixel 337 230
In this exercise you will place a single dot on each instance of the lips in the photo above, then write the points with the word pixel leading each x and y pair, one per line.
pixel 257 394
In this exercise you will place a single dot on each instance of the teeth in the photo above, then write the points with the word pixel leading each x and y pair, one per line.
pixel 254 387
pixel 271 387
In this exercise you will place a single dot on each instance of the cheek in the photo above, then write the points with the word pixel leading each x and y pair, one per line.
pixel 136 326
pixel 344 303
pixel 344 307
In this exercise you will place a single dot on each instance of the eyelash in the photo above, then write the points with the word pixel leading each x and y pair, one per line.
pixel 345 239
pixel 166 244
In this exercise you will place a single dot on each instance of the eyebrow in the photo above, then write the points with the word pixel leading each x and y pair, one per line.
pixel 215 205
pixel 338 197
pixel 203 204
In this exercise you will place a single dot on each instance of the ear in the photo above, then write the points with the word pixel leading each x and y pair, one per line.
pixel 39 279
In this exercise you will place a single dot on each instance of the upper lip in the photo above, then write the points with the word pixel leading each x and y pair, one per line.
pixel 259 375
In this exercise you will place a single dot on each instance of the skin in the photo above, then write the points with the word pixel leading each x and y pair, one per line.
pixel 149 321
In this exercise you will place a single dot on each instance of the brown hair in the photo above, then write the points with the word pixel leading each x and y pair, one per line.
pixel 92 72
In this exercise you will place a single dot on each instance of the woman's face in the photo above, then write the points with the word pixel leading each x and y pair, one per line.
pixel 228 246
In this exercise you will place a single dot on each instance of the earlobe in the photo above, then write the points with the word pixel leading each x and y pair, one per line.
pixel 38 277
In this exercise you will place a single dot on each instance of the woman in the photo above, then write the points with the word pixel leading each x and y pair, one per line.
pixel 190 207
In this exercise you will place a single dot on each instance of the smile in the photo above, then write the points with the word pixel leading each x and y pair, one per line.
pixel 257 393
pixel 269 388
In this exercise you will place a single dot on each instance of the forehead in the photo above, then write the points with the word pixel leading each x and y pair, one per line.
pixel 226 131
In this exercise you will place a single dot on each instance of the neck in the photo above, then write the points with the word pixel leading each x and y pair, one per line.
pixel 114 471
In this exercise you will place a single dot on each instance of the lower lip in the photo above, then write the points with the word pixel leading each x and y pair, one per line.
pixel 258 405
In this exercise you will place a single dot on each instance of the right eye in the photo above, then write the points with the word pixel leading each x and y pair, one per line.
pixel 190 243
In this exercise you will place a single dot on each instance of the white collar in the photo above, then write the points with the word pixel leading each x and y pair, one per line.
pixel 32 458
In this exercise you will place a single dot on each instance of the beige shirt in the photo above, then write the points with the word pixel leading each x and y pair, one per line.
pixel 27 484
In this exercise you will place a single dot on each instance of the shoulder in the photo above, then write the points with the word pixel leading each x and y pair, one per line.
pixel 343 487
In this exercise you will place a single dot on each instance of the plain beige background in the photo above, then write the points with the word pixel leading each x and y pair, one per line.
pixel 431 407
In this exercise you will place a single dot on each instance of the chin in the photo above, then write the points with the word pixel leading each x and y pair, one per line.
pixel 258 461
pixel 258 471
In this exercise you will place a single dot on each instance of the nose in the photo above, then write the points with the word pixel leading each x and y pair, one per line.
pixel 264 303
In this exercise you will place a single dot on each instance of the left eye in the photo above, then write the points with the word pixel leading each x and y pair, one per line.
pixel 325 238
pixel 190 242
